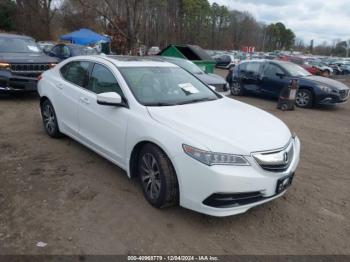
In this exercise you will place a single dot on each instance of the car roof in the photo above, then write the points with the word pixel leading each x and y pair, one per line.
pixel 128 61
pixel 7 35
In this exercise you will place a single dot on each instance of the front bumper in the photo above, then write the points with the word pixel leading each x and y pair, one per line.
pixel 198 181
pixel 333 98
pixel 10 82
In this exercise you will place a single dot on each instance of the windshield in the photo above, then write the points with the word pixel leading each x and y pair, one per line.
pixel 165 86
pixel 187 65
pixel 295 70
pixel 18 45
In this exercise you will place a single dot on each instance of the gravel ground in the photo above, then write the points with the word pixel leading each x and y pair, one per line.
pixel 63 194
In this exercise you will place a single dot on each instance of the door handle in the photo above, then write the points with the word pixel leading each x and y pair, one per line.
pixel 84 100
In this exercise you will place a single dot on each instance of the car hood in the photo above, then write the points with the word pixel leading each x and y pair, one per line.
pixel 324 81
pixel 26 58
pixel 211 79
pixel 225 125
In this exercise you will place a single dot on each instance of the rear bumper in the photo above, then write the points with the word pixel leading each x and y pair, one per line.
pixel 15 83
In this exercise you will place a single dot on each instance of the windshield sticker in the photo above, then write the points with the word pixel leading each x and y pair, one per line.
pixel 33 48
pixel 188 87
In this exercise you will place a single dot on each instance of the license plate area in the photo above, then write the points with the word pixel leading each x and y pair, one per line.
pixel 283 183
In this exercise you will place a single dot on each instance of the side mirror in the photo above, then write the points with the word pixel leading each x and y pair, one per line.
pixel 281 75
pixel 212 88
pixel 51 53
pixel 109 99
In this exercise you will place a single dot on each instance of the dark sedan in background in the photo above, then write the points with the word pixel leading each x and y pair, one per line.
pixel 267 78
pixel 63 51
pixel 21 62
pixel 214 80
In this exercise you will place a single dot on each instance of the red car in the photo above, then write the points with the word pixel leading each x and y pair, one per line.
pixel 301 62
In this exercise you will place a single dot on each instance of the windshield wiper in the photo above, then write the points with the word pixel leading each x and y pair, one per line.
pixel 159 104
pixel 196 101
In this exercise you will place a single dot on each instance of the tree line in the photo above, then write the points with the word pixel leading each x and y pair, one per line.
pixel 132 23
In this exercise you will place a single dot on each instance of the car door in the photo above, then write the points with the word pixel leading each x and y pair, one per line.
pixel 68 85
pixel 250 76
pixel 273 80
pixel 103 127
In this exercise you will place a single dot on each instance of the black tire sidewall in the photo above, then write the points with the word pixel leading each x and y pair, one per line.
pixel 165 169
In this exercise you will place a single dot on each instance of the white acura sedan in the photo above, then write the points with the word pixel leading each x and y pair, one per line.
pixel 187 144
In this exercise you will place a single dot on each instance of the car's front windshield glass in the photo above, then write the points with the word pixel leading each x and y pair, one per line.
pixel 295 70
pixel 18 45
pixel 166 86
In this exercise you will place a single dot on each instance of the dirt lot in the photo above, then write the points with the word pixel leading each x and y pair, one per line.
pixel 63 194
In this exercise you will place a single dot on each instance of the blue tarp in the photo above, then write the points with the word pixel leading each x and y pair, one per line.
pixel 84 37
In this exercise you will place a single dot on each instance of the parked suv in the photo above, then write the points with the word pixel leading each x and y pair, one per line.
pixel 21 62
pixel 267 78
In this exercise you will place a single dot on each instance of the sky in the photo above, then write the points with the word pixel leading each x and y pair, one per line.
pixel 320 20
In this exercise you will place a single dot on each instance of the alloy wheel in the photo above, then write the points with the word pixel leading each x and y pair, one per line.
pixel 49 119
pixel 303 98
pixel 150 176
pixel 236 89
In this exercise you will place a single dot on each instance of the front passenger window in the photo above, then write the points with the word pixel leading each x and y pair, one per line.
pixel 102 80
pixel 272 70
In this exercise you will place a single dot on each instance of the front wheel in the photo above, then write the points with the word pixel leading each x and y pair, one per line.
pixel 304 98
pixel 236 89
pixel 157 176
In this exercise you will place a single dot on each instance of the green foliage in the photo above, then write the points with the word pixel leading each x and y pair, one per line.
pixel 7 13
pixel 279 37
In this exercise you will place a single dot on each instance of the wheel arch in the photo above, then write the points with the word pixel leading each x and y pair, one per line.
pixel 135 154
pixel 43 99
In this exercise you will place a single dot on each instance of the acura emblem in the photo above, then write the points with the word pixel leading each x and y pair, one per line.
pixel 285 157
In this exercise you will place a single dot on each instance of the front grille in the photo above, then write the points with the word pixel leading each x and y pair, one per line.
pixel 29 68
pixel 344 94
pixel 221 200
pixel 276 161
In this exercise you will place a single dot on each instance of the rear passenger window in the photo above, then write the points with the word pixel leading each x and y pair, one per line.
pixel 76 72
pixel 253 68
pixel 102 80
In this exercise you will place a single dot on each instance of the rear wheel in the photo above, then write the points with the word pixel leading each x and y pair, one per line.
pixel 326 73
pixel 236 89
pixel 157 176
pixel 304 98
pixel 49 119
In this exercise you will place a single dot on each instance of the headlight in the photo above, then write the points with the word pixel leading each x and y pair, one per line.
pixel 52 65
pixel 326 89
pixel 211 158
pixel 4 65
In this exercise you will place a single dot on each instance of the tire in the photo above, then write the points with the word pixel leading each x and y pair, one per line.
pixel 49 118
pixel 304 98
pixel 236 89
pixel 157 177
pixel 326 73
